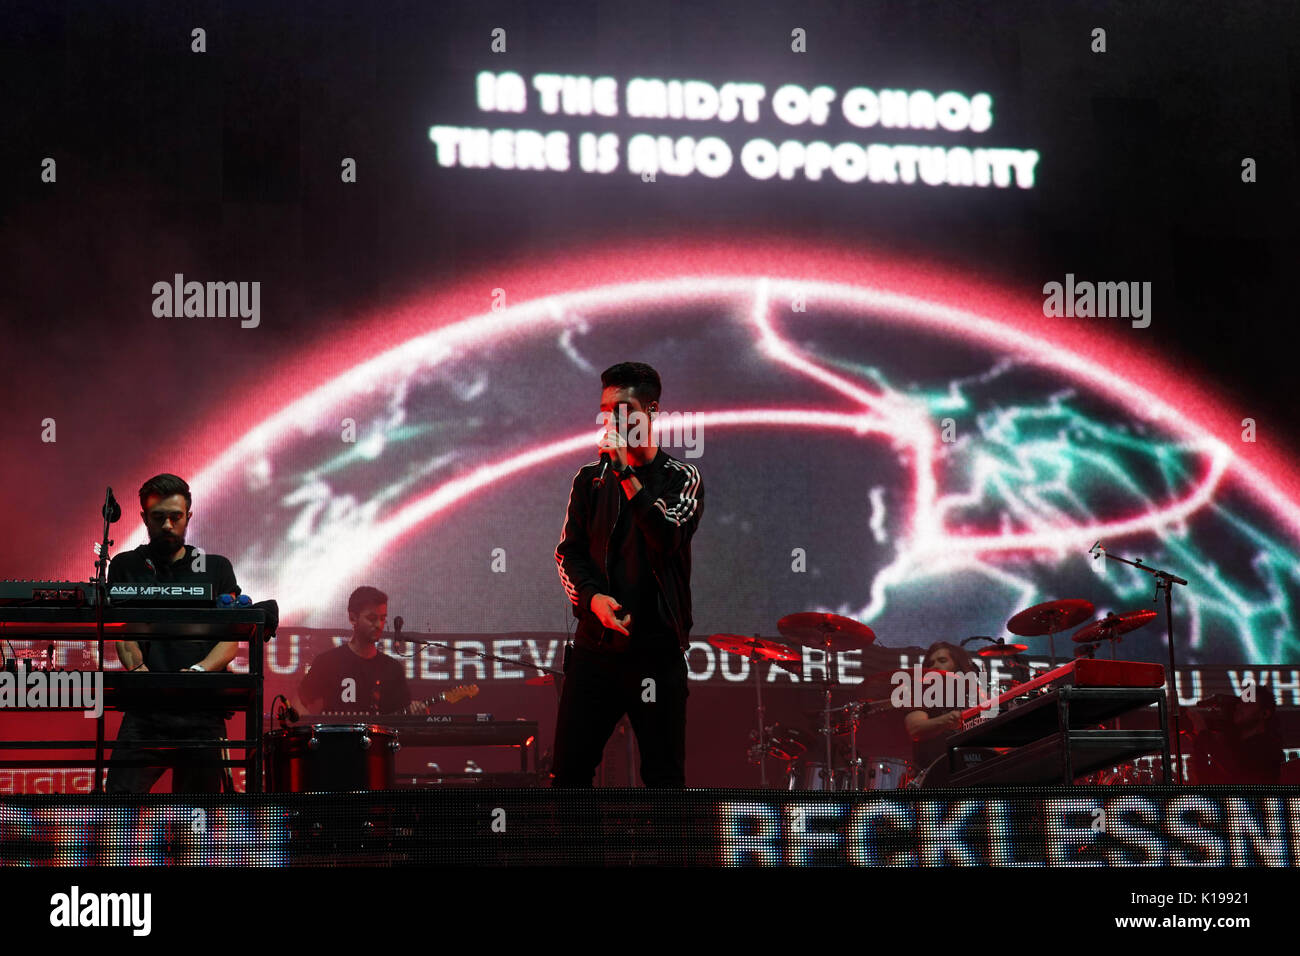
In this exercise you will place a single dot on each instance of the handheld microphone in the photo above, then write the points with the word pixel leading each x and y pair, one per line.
pixel 399 645
pixel 599 480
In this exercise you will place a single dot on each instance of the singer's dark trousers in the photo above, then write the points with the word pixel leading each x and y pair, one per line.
pixel 193 771
pixel 599 688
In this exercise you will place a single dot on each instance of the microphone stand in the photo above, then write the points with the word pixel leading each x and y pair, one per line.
pixel 111 512
pixel 1165 582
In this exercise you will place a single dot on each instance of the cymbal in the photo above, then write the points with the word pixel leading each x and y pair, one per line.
pixel 825 631
pixel 1002 650
pixel 754 647
pixel 1050 617
pixel 541 680
pixel 1113 625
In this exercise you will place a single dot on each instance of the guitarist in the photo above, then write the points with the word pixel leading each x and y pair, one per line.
pixel 358 677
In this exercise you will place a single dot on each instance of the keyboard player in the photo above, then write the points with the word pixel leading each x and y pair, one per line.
pixel 930 728
pixel 165 502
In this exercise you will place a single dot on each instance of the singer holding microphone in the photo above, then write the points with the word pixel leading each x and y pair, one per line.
pixel 165 509
pixel 625 563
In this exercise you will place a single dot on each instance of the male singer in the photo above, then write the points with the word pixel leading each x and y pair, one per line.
pixel 625 563
pixel 165 509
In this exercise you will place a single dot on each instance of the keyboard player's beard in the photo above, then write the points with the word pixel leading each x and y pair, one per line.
pixel 163 545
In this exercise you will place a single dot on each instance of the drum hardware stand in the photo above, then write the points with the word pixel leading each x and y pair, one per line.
pixel 1165 582
pixel 854 711
pixel 828 773
pixel 758 751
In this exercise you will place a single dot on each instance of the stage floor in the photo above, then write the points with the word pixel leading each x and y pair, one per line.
pixel 1211 827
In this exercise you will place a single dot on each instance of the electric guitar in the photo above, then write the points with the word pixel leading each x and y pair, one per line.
pixel 463 692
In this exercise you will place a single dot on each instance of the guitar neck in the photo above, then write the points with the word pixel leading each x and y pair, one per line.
pixel 453 695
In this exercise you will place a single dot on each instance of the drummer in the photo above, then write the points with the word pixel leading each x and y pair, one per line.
pixel 930 728
pixel 359 678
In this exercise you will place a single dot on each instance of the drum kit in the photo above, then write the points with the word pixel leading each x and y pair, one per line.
pixel 832 635
pixel 829 756
pixel 362 755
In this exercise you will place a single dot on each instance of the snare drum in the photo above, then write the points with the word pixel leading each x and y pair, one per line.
pixel 886 773
pixel 808 776
pixel 331 757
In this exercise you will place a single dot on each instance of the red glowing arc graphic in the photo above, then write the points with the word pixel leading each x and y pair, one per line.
pixel 1089 351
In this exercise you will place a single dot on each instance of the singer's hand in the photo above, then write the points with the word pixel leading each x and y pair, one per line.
pixel 614 443
pixel 607 611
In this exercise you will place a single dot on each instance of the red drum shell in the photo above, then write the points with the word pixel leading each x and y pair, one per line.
pixel 331 758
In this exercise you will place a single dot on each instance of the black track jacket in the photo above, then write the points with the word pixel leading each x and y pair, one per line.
pixel 666 511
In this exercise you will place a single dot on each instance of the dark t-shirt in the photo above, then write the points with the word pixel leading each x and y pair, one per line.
pixel 140 567
pixel 380 682
pixel 926 752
